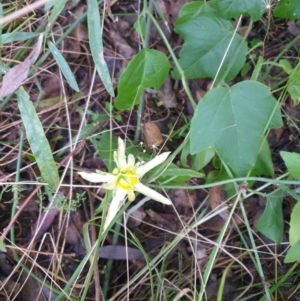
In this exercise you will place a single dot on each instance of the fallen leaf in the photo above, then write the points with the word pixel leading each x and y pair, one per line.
pixel 152 135
pixel 167 94
pixel 14 78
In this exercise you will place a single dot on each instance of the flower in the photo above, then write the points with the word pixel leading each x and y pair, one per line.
pixel 125 180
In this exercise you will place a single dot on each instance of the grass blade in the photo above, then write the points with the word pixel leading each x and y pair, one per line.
pixel 64 67
pixel 96 44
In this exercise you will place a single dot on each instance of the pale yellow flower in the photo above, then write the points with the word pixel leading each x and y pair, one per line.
pixel 125 180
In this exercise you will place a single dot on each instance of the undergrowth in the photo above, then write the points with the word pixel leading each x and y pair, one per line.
pixel 108 106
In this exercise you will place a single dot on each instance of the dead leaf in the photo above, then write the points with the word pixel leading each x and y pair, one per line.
pixel 14 78
pixel 293 27
pixel 163 220
pixel 183 198
pixel 167 94
pixel 45 220
pixel 217 200
pixel 152 135
pixel 136 217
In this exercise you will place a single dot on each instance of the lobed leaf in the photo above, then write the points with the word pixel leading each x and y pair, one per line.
pixel 234 8
pixel 232 121
pixel 207 38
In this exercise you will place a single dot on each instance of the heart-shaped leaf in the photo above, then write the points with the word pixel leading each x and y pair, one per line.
pixel 206 42
pixel 232 121
pixel 148 69
pixel 235 8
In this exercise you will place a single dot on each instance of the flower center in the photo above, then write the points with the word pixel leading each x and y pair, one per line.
pixel 127 179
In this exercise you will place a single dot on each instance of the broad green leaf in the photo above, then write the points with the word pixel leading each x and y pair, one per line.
pixel 96 45
pixel 271 222
pixel 292 162
pixel 295 225
pixel 206 41
pixel 287 9
pixel 148 69
pixel 293 253
pixel 232 121
pixel 197 7
pixel 37 140
pixel 235 8
pixel 64 67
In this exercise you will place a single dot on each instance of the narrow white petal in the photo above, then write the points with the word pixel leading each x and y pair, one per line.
pixel 141 188
pixel 121 154
pixel 131 160
pixel 141 170
pixel 96 177
pixel 131 195
pixel 114 206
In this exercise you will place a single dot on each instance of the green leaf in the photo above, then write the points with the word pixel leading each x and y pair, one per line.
pixel 16 36
pixel 37 140
pixel 64 67
pixel 235 8
pixel 148 69
pixel 202 158
pixel 206 39
pixel 195 8
pixel 293 253
pixel 140 26
pixel 58 6
pixel 292 162
pixel 271 222
pixel 286 66
pixel 295 225
pixel 293 85
pixel 175 175
pixel 287 9
pixel 264 164
pixel 232 121
pixel 96 45
pixel 2 246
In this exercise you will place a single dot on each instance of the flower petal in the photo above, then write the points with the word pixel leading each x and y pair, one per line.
pixel 141 170
pixel 141 188
pixel 131 160
pixel 131 195
pixel 114 206
pixel 121 154
pixel 96 177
